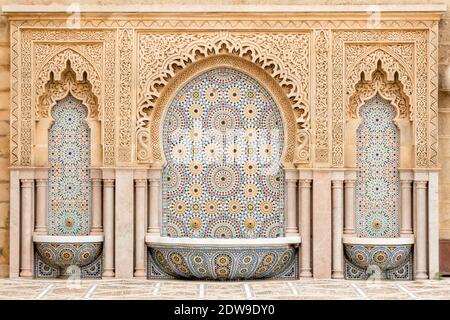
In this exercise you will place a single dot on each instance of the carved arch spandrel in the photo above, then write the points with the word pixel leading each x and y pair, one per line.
pixel 393 41
pixel 284 56
pixel 393 92
pixel 392 67
pixel 67 83
pixel 56 90
pixel 73 79
pixel 378 83
pixel 190 72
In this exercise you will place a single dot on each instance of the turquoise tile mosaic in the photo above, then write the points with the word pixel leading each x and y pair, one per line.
pixel 378 183
pixel 223 139
pixel 69 161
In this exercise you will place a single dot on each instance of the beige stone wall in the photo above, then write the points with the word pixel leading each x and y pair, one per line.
pixel 4 147
pixel 444 100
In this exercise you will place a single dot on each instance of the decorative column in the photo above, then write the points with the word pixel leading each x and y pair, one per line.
pixel 108 222
pixel 97 227
pixel 305 227
pixel 41 206
pixel 154 195
pixel 349 223
pixel 421 230
pixel 140 207
pixel 291 219
pixel 338 219
pixel 406 218
pixel 26 240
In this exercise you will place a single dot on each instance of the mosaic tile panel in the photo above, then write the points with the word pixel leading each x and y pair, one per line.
pixel 385 262
pixel 223 138
pixel 54 260
pixel 212 263
pixel 378 183
pixel 69 160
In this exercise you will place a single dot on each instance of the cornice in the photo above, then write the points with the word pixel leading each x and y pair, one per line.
pixel 278 12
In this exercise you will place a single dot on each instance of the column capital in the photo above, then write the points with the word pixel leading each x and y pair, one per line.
pixel 140 183
pixel 420 184
pixel 350 183
pixel 41 182
pixel 406 183
pixel 305 183
pixel 337 184
pixel 291 182
pixel 108 182
pixel 27 183
pixel 96 182
pixel 154 182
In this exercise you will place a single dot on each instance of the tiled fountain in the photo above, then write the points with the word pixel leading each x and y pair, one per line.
pixel 223 184
pixel 68 248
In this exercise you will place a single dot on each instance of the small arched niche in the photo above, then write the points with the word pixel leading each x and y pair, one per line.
pixel 56 90
pixel 69 159
pixel 378 161
pixel 393 93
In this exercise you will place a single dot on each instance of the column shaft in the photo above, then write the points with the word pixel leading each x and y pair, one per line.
pixel 349 223
pixel 26 228
pixel 338 221
pixel 406 220
pixel 140 207
pixel 108 221
pixel 305 227
pixel 291 223
pixel 154 212
pixel 97 227
pixel 41 206
pixel 421 230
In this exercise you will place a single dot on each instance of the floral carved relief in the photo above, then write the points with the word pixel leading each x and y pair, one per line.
pixel 378 83
pixel 393 49
pixel 284 56
pixel 322 143
pixel 89 51
pixel 124 152
pixel 329 54
pixel 58 89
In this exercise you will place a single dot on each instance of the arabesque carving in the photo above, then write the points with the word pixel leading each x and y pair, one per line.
pixel 58 89
pixel 113 52
pixel 322 145
pixel 57 63
pixel 378 83
pixel 285 56
pixel 347 73
pixel 28 82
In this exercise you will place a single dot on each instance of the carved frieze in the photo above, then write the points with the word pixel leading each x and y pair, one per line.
pixel 283 55
pixel 318 64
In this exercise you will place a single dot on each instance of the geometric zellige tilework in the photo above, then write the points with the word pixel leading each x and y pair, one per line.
pixel 223 139
pixel 69 160
pixel 377 185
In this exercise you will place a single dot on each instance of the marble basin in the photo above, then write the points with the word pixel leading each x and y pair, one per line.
pixel 387 254
pixel 61 252
pixel 223 259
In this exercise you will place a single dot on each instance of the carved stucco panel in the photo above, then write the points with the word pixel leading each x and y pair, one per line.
pixel 27 95
pixel 344 80
pixel 321 111
pixel 125 141
pixel 283 55
pixel 56 65
pixel 414 41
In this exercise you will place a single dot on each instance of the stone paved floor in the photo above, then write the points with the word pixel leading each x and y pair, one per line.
pixel 152 289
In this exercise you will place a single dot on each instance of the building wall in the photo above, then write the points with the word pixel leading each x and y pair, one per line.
pixel 444 102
